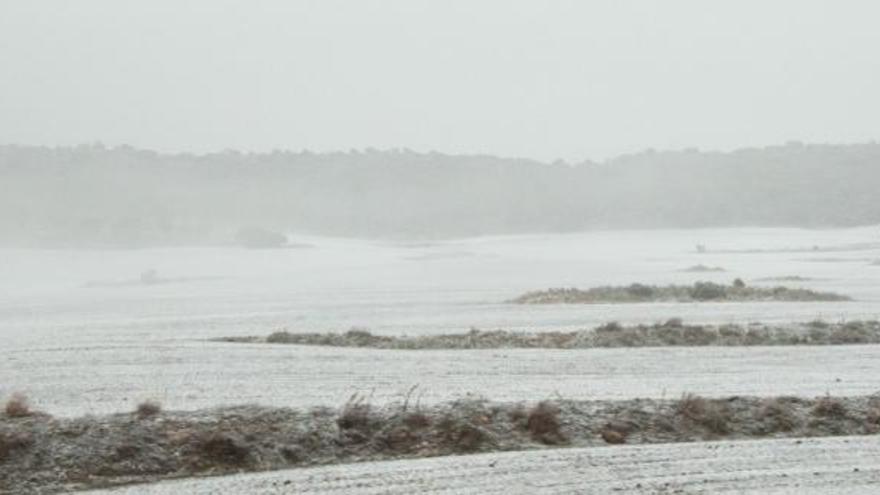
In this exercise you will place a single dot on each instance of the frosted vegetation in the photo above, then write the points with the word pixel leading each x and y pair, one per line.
pixel 671 333
pixel 41 454
pixel 698 292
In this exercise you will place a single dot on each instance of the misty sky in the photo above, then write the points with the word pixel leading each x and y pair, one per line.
pixel 541 79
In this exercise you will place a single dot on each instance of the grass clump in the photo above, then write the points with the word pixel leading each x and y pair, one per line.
pixel 830 407
pixel 356 420
pixel 224 449
pixel 713 415
pixel 18 406
pixel 701 268
pixel 10 443
pixel 543 423
pixel 738 291
pixel 46 455
pixel 778 415
pixel 148 409
pixel 673 332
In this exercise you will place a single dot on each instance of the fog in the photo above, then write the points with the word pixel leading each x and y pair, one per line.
pixel 542 80
pixel 282 243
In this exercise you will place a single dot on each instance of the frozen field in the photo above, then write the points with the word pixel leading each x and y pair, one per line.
pixel 81 335
pixel 187 375
pixel 794 467
pixel 78 349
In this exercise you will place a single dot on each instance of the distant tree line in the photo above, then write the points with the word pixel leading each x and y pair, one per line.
pixel 93 195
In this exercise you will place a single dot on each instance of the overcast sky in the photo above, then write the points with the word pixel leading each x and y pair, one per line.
pixel 541 79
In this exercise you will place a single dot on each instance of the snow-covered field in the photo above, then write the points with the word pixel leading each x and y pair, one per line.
pixel 192 375
pixel 80 334
pixel 793 467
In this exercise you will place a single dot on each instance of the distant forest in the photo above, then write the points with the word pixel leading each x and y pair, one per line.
pixel 98 196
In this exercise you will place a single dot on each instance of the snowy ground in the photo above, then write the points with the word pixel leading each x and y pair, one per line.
pixel 810 466
pixel 186 375
pixel 80 335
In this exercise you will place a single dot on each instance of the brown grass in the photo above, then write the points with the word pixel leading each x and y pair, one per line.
pixel 713 415
pixel 872 420
pixel 463 436
pixel 148 409
pixel 543 423
pixel 612 435
pixel 222 448
pixel 11 442
pixel 829 407
pixel 17 406
pixel 779 414
pixel 417 420
pixel 355 414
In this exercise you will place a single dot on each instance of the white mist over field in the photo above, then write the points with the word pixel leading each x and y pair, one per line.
pixel 331 284
pixel 421 246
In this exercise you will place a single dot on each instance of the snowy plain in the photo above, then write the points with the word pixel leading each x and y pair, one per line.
pixel 81 334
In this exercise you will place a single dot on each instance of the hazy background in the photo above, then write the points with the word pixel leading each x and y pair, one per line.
pixel 543 80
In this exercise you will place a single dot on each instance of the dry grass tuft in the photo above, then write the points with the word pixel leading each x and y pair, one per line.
pixel 148 409
pixel 710 414
pixel 612 435
pixel 779 414
pixel 518 414
pixel 223 449
pixel 464 436
pixel 829 407
pixel 17 406
pixel 417 420
pixel 355 414
pixel 872 420
pixel 356 421
pixel 543 423
pixel 11 442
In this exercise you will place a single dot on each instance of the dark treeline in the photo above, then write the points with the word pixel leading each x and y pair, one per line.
pixel 93 196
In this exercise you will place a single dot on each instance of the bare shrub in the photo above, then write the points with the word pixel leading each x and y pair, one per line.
pixel 461 428
pixel 222 448
pixel 463 436
pixel 698 335
pixel 125 452
pixel 543 423
pixel 518 414
pixel 148 409
pixel 18 406
pixel 706 291
pixel 612 435
pixel 400 438
pixel 417 420
pixel 11 442
pixel 829 407
pixel 674 323
pixel 690 406
pixel 279 337
pixel 711 414
pixel 356 420
pixel 355 414
pixel 360 337
pixel 872 419
pixel 779 415
pixel 617 430
pixel 610 327
pixel 851 333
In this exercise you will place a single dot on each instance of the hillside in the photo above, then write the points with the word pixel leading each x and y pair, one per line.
pixel 97 196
